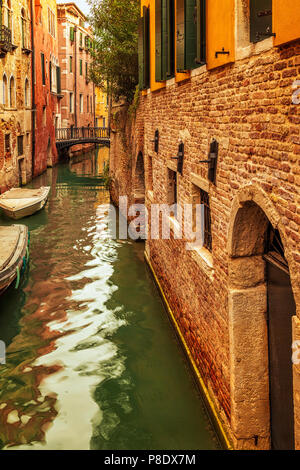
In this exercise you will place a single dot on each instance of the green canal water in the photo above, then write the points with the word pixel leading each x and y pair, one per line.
pixel 92 360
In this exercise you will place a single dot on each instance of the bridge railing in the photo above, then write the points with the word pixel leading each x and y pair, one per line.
pixel 81 133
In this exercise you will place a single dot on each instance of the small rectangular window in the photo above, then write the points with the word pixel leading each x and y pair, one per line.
pixel 204 199
pixel 87 104
pixel 260 20
pixel 43 68
pixel 70 64
pixel 7 143
pixel 80 66
pixel 71 103
pixel 150 174
pixel 81 103
pixel 72 34
pixel 172 188
pixel 20 145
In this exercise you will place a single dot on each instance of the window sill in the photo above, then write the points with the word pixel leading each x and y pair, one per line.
pixel 204 259
pixel 175 226
pixel 254 48
pixel 198 71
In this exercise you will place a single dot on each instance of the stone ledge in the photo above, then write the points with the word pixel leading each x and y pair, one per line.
pixel 201 182
pixel 204 260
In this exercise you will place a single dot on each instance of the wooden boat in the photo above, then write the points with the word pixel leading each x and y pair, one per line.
pixel 14 254
pixel 21 202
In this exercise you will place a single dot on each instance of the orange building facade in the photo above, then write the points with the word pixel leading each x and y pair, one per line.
pixel 75 43
pixel 47 97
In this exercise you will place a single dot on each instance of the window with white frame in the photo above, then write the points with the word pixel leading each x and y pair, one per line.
pixel 51 22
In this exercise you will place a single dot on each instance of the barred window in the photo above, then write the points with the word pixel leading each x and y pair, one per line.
pixel 204 199
pixel 20 145
pixel 7 143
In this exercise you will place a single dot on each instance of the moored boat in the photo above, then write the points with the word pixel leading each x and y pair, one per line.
pixel 21 202
pixel 14 254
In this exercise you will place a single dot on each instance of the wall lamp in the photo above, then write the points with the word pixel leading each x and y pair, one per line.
pixel 212 160
pixel 156 140
pixel 179 158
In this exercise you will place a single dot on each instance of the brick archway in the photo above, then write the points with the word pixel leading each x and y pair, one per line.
pixel 251 213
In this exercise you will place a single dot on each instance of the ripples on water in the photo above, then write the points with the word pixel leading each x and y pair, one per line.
pixel 92 361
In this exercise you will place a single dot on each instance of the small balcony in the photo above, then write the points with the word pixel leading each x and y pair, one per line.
pixel 5 40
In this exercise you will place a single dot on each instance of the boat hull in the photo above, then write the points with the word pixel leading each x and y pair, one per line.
pixel 9 274
pixel 26 211
pixel 14 209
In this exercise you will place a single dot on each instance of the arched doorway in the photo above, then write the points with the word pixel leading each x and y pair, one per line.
pixel 261 307
pixel 139 180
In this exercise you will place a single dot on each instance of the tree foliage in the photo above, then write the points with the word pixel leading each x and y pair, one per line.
pixel 115 57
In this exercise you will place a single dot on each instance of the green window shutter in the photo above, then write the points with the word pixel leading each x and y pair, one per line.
pixel 164 38
pixel 141 53
pixel 158 41
pixel 146 43
pixel 180 65
pixel 190 34
pixel 71 33
pixel 144 50
pixel 201 32
pixel 170 25
pixel 80 66
pixel 43 68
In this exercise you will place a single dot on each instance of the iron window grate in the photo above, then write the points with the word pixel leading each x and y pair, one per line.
pixel 204 199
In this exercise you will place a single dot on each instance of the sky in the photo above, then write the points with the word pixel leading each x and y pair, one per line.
pixel 82 5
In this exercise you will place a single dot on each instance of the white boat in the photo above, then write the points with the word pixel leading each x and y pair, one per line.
pixel 21 202
pixel 14 254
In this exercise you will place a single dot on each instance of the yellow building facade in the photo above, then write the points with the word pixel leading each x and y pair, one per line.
pixel 15 93
pixel 101 107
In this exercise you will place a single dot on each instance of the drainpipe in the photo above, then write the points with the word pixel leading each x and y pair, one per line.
pixel 33 109
pixel 75 77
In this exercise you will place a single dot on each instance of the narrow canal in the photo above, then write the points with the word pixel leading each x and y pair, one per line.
pixel 92 360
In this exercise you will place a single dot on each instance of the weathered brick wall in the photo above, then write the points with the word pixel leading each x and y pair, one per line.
pixel 247 107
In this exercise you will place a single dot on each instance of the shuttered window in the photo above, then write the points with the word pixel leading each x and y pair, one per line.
pixel 43 68
pixel 71 33
pixel 220 33
pixel 80 66
pixel 190 34
pixel 260 19
pixel 144 50
pixel 286 21
pixel 164 39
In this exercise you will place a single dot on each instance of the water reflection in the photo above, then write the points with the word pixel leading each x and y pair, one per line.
pixel 91 360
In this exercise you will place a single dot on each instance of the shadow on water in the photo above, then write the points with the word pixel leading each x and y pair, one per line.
pixel 92 361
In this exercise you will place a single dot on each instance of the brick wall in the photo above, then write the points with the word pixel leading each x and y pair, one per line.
pixel 247 107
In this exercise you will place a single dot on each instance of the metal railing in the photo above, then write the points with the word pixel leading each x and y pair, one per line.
pixel 5 38
pixel 81 133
